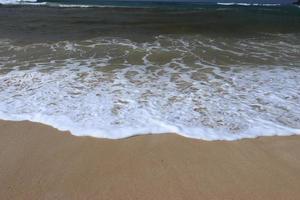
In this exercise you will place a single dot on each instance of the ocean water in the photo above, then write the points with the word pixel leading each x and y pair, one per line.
pixel 147 3
pixel 212 72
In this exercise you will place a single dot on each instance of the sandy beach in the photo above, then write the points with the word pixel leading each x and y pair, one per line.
pixel 40 162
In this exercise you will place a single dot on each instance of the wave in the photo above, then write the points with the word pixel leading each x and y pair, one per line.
pixel 116 88
pixel 34 2
pixel 9 2
pixel 117 109
pixel 246 4
pixel 114 4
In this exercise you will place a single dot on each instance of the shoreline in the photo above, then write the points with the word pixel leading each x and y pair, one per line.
pixel 207 139
pixel 40 162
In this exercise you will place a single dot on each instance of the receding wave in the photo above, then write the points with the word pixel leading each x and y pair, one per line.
pixel 195 86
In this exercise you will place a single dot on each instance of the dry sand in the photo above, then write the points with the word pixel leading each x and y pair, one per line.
pixel 39 162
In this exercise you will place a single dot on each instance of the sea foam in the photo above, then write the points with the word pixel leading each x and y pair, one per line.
pixel 116 88
pixel 17 1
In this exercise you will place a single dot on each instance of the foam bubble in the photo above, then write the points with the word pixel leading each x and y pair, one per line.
pixel 194 86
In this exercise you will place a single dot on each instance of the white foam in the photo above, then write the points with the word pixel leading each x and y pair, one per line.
pixel 74 6
pixel 268 4
pixel 244 4
pixel 226 4
pixel 81 88
pixel 56 4
pixel 51 4
pixel 16 1
pixel 247 4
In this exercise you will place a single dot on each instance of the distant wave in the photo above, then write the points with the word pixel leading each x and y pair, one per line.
pixel 16 1
pixel 57 4
pixel 51 4
pixel 79 5
pixel 246 4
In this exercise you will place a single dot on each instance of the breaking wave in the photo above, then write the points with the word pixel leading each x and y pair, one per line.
pixel 196 86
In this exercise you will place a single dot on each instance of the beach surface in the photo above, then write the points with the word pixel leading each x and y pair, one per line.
pixel 40 162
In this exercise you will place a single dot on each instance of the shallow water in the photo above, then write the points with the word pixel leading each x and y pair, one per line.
pixel 215 74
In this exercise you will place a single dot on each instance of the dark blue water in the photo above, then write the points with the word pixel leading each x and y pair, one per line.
pixel 172 1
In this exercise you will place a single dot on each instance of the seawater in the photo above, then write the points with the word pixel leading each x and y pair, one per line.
pixel 215 73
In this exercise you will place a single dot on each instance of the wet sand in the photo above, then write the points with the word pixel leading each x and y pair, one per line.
pixel 40 162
